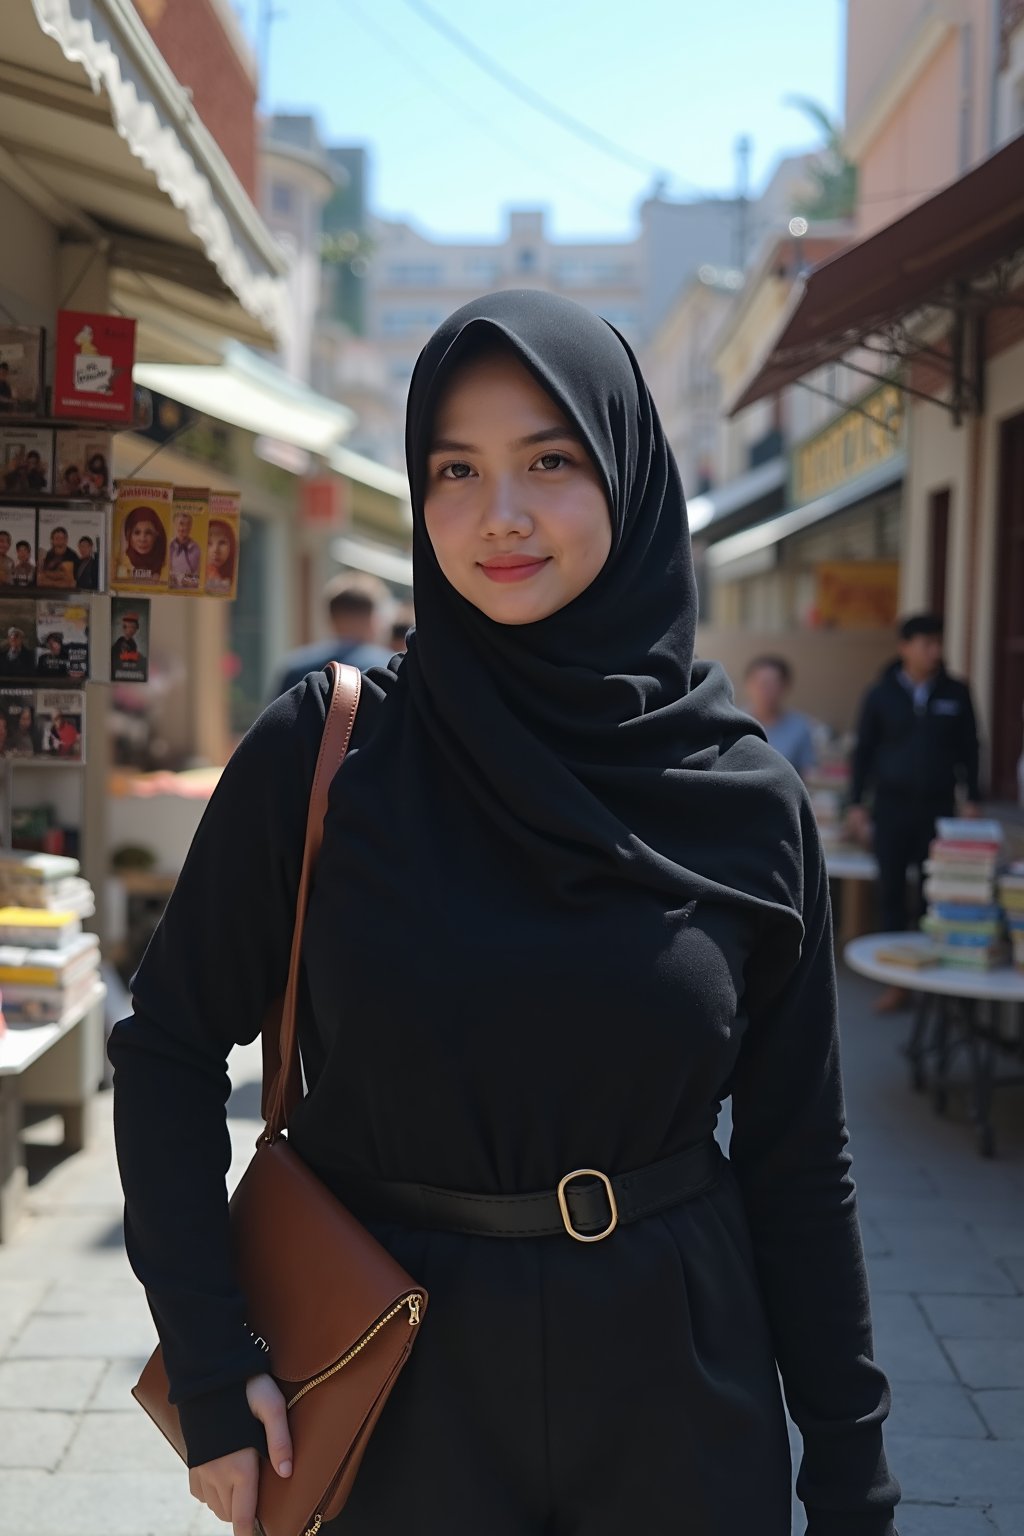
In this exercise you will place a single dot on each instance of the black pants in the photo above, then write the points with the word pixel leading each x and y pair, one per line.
pixel 904 828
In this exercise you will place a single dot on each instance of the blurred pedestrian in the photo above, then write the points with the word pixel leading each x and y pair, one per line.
pixel 768 682
pixel 614 913
pixel 357 608
pixel 917 742
pixel 403 622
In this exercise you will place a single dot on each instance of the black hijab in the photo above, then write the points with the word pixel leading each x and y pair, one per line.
pixel 590 741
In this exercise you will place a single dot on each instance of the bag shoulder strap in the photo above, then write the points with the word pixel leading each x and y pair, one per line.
pixel 282 1073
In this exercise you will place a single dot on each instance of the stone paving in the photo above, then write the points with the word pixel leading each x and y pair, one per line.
pixel 944 1232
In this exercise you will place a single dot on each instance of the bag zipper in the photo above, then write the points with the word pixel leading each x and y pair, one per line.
pixel 413 1302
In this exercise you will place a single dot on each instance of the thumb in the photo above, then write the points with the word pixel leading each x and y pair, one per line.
pixel 268 1406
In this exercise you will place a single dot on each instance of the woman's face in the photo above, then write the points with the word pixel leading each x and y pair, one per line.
pixel 514 508
pixel 25 720
pixel 218 551
pixel 142 537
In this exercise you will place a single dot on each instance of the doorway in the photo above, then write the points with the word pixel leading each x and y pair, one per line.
pixel 1008 670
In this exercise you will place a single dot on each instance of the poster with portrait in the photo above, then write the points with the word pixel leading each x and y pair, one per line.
pixel 190 517
pixel 72 549
pixel 26 461
pixel 21 369
pixel 82 462
pixel 18 533
pixel 60 725
pixel 92 370
pixel 142 536
pixel 17 639
pixel 18 723
pixel 222 545
pixel 62 640
pixel 129 632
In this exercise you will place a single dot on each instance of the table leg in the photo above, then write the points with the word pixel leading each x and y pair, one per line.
pixel 940 1088
pixel 916 1048
pixel 981 1051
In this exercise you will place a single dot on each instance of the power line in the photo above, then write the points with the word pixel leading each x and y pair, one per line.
pixel 443 89
pixel 512 83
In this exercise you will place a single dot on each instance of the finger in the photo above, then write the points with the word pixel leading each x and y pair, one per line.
pixel 243 1507
pixel 274 1417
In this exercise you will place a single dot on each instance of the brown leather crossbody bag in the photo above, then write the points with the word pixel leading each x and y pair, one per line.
pixel 337 1315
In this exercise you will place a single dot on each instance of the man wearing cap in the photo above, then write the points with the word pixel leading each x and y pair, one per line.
pixel 15 660
pixel 53 658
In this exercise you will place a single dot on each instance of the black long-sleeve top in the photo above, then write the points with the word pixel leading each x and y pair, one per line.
pixel 404 1082
pixel 915 749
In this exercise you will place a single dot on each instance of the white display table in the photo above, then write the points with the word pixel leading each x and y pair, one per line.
pixel 58 1066
pixel 946 1017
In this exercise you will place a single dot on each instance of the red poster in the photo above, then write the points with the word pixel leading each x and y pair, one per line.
pixel 93 366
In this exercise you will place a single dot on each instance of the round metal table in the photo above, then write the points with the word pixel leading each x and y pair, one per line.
pixel 946 1017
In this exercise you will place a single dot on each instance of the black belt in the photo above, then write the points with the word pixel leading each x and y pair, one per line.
pixel 587 1204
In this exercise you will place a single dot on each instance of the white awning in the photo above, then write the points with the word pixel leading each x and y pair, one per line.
pixel 97 134
pixel 254 395
pixel 746 489
pixel 389 564
pixel 752 541
pixel 355 466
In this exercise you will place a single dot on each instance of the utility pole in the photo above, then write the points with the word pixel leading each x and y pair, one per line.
pixel 743 149
pixel 267 15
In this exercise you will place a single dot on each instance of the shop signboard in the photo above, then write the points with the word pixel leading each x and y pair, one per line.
pixel 857 594
pixel 858 440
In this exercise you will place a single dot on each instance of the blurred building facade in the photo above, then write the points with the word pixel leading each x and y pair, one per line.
pixel 898 378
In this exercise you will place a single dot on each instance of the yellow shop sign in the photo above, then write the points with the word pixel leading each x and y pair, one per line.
pixel 853 443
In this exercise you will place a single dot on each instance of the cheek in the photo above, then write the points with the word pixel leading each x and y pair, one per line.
pixel 580 525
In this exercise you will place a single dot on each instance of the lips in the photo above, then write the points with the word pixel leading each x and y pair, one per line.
pixel 505 568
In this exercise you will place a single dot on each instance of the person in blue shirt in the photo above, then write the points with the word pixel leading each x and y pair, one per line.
pixel 768 681
pixel 357 607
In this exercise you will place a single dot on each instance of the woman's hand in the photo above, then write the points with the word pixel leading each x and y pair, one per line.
pixel 229 1484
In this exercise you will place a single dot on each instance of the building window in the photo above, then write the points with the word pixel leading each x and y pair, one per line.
pixel 482 269
pixel 282 198
pixel 409 322
pixel 415 274
pixel 526 260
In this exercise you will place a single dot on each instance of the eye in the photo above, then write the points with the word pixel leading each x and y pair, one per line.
pixel 551 461
pixel 457 471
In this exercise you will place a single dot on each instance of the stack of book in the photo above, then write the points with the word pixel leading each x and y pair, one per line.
pixel 48 966
pixel 46 881
pixel 1011 894
pixel 964 918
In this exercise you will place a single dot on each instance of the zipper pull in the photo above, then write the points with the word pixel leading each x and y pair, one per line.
pixel 413 1303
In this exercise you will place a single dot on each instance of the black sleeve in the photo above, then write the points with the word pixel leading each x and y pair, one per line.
pixel 967 748
pixel 868 735
pixel 789 1153
pixel 218 957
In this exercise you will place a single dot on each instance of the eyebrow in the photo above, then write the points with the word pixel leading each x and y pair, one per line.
pixel 545 435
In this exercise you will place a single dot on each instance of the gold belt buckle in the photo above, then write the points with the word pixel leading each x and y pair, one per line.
pixel 563 1204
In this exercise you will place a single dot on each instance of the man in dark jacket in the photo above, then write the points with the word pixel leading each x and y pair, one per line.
pixel 357 612
pixel 917 740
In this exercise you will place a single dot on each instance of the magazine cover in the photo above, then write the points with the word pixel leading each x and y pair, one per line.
pixel 222 544
pixel 62 640
pixel 60 724
pixel 17 638
pixel 21 369
pixel 18 723
pixel 18 532
pixel 26 461
pixel 129 628
pixel 142 535
pixel 92 375
pixel 72 549
pixel 82 462
pixel 190 529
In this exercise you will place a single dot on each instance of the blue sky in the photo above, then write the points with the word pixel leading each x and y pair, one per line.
pixel 673 82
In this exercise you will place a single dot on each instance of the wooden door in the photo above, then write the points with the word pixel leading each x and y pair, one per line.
pixel 1008 671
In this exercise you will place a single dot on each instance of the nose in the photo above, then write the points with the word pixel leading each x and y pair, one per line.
pixel 504 509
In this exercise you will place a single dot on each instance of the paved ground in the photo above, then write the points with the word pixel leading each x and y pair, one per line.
pixel 944 1230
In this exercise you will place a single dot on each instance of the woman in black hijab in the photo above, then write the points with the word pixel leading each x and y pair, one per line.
pixel 614 914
